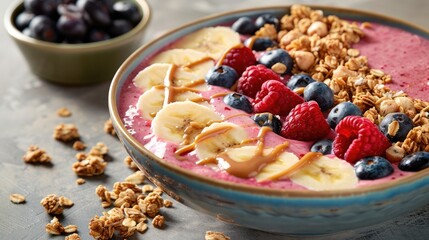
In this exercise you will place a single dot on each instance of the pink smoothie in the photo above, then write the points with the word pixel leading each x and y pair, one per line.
pixel 396 52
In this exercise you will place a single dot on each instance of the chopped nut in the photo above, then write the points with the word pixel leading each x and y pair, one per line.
pixel 80 181
pixel 216 236
pixel 158 221
pixel 66 132
pixel 290 36
pixel 108 128
pixel 36 155
pixel 141 227
pixel 70 229
pixel 78 145
pixel 279 68
pixel 74 236
pixel 319 28
pixel 130 163
pixel 167 203
pixel 395 153
pixel 304 60
pixel 136 178
pixel 64 112
pixel 54 227
pixel 17 198
pixel 388 106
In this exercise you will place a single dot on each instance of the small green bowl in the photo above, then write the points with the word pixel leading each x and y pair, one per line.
pixel 76 64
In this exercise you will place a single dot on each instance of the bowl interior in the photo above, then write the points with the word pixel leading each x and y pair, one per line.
pixel 128 70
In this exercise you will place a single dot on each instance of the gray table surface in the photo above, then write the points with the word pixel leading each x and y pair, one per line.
pixel 28 116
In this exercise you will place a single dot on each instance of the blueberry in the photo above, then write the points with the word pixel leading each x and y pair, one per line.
pixel 41 7
pixel 321 93
pixel 23 20
pixel 238 101
pixel 223 76
pixel 71 24
pixel 260 43
pixel 244 25
pixel 43 28
pixel 341 111
pixel 127 10
pixel 267 19
pixel 119 27
pixel 299 80
pixel 96 13
pixel 272 57
pixel 405 125
pixel 323 146
pixel 268 120
pixel 96 35
pixel 414 162
pixel 371 168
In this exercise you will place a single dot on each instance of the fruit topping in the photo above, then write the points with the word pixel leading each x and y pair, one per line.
pixel 41 7
pixel 252 79
pixel 321 93
pixel 267 19
pixel 323 146
pixel 239 58
pixel 244 25
pixel 370 168
pixel 96 13
pixel 415 162
pixel 395 126
pixel 341 111
pixel 276 98
pixel 277 56
pixel 260 43
pixel 268 120
pixel 300 80
pixel 126 10
pixel 23 20
pixel 238 101
pixel 223 76
pixel 43 28
pixel 305 122
pixel 357 137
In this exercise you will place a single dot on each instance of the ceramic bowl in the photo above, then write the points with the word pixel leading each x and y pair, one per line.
pixel 294 212
pixel 76 64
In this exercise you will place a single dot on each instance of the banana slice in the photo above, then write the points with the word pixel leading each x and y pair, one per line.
pixel 222 135
pixel 195 61
pixel 155 74
pixel 171 122
pixel 150 102
pixel 326 174
pixel 212 40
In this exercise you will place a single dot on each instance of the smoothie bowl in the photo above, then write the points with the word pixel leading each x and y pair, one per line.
pixel 291 120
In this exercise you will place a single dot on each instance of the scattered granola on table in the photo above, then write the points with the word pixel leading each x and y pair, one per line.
pixel 108 127
pixel 56 228
pixel 136 178
pixel 80 181
pixel 66 132
pixel 78 145
pixel 210 235
pixel 73 236
pixel 17 198
pixel 130 163
pixel 158 221
pixel 91 164
pixel 36 155
pixel 54 204
pixel 64 112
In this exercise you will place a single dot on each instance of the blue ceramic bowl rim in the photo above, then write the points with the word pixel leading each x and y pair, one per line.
pixel 416 179
pixel 76 48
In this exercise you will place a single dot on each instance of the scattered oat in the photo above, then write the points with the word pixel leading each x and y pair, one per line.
pixel 130 163
pixel 210 235
pixel 70 229
pixel 158 221
pixel 73 236
pixel 36 155
pixel 136 178
pixel 17 198
pixel 141 227
pixel 64 112
pixel 66 132
pixel 91 166
pixel 104 196
pixel 80 181
pixel 147 188
pixel 167 203
pixel 151 204
pixel 99 149
pixel 108 127
pixel 54 204
pixel 78 145
pixel 54 227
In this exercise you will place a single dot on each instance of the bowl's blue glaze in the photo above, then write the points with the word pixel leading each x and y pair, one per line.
pixel 278 211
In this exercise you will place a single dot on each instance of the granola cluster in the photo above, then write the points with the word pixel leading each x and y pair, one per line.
pixel 56 228
pixel 92 163
pixel 66 132
pixel 36 155
pixel 55 205
pixel 131 210
pixel 322 47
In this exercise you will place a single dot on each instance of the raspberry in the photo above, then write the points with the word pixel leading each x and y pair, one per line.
pixel 276 98
pixel 305 122
pixel 252 79
pixel 239 58
pixel 357 137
